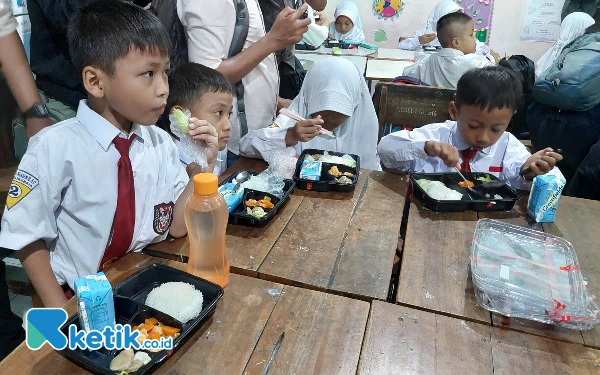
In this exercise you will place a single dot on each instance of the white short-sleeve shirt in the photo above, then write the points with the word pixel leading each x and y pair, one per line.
pixel 209 26
pixel 65 191
pixel 404 151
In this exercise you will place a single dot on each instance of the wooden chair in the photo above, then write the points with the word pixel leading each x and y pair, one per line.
pixel 409 105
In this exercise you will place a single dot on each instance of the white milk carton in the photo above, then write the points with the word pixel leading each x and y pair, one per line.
pixel 544 197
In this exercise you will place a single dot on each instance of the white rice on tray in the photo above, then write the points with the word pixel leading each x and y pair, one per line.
pixel 180 300
pixel 438 191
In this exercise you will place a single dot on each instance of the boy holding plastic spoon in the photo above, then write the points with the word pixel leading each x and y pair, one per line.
pixel 476 141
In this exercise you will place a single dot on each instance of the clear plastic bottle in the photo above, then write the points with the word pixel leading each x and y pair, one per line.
pixel 206 218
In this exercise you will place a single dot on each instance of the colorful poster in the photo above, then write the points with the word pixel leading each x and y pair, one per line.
pixel 481 12
pixel 387 9
pixel 542 20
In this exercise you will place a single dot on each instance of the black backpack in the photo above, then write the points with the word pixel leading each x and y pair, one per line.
pixel 525 70
pixel 166 11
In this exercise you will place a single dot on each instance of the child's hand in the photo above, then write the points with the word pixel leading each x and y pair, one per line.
pixel 541 162
pixel 203 131
pixel 426 38
pixel 444 151
pixel 304 131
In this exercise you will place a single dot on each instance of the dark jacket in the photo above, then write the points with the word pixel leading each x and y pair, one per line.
pixel 50 60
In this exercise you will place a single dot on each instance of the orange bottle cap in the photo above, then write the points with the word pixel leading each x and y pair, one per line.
pixel 206 184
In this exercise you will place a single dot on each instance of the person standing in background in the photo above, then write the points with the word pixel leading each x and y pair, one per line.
pixel 13 63
pixel 291 72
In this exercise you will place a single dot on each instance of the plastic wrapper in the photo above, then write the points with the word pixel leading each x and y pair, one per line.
pixel 282 163
pixel 194 149
pixel 267 182
pixel 522 273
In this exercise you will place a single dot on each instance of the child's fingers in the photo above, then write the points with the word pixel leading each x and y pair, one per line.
pixel 204 129
pixel 555 155
pixel 196 123
pixel 535 170
pixel 549 160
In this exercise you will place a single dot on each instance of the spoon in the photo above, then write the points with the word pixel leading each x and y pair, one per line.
pixel 286 112
pixel 242 177
pixel 467 186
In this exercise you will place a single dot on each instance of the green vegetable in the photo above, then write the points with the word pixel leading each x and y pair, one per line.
pixel 183 122
pixel 257 212
pixel 485 178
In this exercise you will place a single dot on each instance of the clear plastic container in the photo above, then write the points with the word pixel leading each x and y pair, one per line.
pixel 529 274
pixel 206 218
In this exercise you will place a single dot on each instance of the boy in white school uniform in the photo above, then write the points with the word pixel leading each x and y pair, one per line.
pixel 476 141
pixel 443 69
pixel 208 95
pixel 92 188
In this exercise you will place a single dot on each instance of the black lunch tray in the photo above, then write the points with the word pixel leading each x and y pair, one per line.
pixel 129 298
pixel 509 195
pixel 327 182
pixel 305 47
pixel 240 217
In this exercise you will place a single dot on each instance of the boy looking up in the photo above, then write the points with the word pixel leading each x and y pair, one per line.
pixel 92 188
pixel 443 69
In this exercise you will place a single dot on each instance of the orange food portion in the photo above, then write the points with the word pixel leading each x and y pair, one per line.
pixel 465 184
pixel 147 327
pixel 151 321
pixel 251 203
pixel 170 330
pixel 265 204
pixel 153 336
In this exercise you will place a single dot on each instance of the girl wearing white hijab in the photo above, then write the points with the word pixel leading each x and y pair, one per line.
pixel 428 36
pixel 347 24
pixel 572 26
pixel 334 96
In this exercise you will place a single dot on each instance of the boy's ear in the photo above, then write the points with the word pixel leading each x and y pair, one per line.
pixel 452 110
pixel 455 43
pixel 93 81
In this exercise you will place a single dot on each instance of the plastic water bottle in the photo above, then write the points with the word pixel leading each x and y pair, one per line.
pixel 206 221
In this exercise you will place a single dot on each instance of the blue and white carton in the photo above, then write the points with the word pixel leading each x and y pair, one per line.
pixel 544 197
pixel 95 302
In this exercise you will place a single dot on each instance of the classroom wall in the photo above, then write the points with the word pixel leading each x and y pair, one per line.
pixel 506 24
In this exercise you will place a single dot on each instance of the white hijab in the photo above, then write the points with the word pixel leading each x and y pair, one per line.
pixel 444 7
pixel 348 9
pixel 572 26
pixel 336 84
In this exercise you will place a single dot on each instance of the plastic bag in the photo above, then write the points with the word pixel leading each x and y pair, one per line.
pixel 194 149
pixel 282 163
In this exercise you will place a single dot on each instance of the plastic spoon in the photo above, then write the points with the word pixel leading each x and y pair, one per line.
pixel 293 116
pixel 467 182
pixel 242 177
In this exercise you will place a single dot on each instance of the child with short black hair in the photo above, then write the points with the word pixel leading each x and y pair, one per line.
pixel 208 95
pixel 92 188
pixel 455 33
pixel 476 141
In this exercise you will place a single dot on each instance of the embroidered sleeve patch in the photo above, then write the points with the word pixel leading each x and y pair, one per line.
pixel 22 184
pixel 163 217
pixel 274 126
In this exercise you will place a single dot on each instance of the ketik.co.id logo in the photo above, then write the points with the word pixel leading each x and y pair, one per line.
pixel 43 325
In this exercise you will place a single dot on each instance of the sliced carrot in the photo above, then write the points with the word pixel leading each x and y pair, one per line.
pixel 151 321
pixel 170 330
pixel 153 336
pixel 265 204
pixel 136 328
pixel 465 184
pixel 147 327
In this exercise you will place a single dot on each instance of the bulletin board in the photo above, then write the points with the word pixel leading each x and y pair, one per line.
pixel 481 11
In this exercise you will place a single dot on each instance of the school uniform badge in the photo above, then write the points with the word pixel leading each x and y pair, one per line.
pixel 22 184
pixel 163 217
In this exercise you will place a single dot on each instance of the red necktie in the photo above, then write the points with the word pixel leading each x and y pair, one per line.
pixel 467 155
pixel 124 221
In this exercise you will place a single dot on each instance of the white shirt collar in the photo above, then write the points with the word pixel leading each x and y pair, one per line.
pixel 450 52
pixel 100 128
pixel 460 144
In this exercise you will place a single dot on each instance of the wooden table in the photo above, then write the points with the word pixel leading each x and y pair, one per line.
pixel 323 332
pixel 394 54
pixel 309 59
pixel 342 243
pixel 400 340
pixel 385 70
pixel 435 273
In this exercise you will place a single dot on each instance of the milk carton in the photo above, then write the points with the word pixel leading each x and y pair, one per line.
pixel 544 197
pixel 95 302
